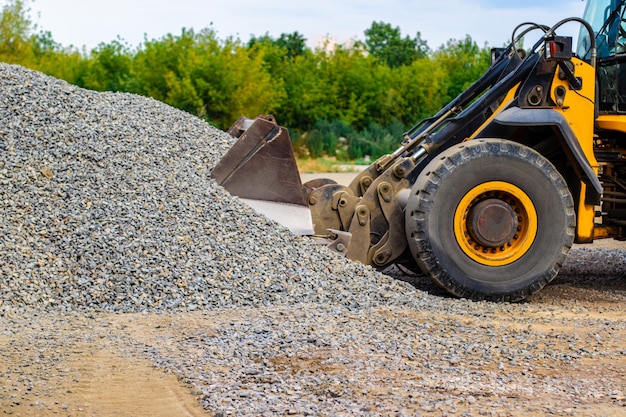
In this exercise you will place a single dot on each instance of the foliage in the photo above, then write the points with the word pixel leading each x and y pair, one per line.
pixel 344 101
pixel 464 62
pixel 387 44
pixel 20 43
pixel 15 33
pixel 108 68
pixel 290 44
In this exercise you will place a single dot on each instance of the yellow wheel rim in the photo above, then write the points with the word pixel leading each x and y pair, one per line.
pixel 495 223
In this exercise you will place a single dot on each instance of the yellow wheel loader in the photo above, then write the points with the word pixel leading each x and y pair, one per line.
pixel 488 195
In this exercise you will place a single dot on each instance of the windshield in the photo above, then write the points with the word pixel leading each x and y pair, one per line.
pixel 604 16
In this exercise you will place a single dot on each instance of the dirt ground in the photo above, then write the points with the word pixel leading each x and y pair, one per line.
pixel 82 367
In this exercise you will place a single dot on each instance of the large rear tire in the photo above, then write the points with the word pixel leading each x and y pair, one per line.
pixel 490 219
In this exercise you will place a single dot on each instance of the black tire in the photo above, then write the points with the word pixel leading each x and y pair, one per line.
pixel 490 219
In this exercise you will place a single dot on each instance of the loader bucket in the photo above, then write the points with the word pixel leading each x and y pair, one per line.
pixel 261 169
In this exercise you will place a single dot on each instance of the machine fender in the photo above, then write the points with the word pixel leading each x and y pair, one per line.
pixel 517 116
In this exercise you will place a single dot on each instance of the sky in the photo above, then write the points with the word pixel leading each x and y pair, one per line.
pixel 87 23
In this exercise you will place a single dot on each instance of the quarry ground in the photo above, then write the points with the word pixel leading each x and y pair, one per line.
pixel 96 364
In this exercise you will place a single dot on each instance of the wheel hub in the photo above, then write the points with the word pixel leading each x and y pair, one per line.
pixel 495 223
pixel 492 223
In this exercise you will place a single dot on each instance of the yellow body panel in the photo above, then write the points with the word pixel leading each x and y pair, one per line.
pixel 585 222
pixel 615 122
pixel 579 110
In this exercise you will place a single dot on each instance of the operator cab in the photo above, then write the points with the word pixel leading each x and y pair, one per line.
pixel 608 20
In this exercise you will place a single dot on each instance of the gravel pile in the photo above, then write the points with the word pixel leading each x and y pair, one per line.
pixel 106 203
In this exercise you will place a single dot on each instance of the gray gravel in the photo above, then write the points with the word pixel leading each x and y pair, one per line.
pixel 107 205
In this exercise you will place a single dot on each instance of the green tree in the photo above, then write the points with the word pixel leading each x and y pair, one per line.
pixel 416 91
pixel 308 95
pixel 387 44
pixel 16 30
pixel 53 59
pixel 109 67
pixel 275 54
pixel 217 80
pixel 20 44
pixel 352 77
pixel 294 43
pixel 291 44
pixel 464 62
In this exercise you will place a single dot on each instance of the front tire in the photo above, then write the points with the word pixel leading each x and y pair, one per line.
pixel 490 219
